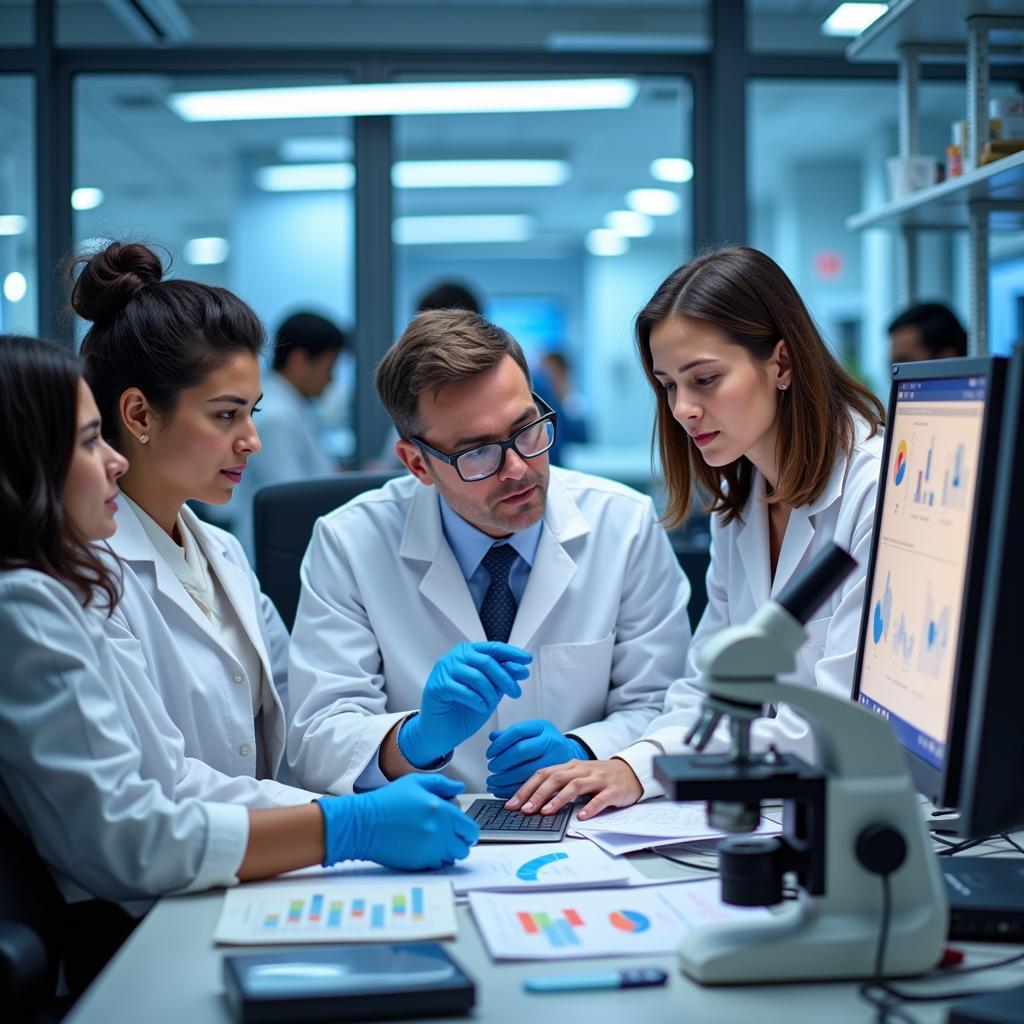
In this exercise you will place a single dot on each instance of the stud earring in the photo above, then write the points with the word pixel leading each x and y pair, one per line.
pixel 783 387
pixel 143 438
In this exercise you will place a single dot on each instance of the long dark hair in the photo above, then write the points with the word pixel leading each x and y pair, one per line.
pixel 38 422
pixel 160 336
pixel 748 297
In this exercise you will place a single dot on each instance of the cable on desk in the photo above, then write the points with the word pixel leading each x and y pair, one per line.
pixel 1013 842
pixel 685 863
pixel 891 996
pixel 886 1005
pixel 967 844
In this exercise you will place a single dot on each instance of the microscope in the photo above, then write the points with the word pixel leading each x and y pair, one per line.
pixel 852 834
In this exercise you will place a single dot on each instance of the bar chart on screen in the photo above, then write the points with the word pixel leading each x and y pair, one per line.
pixel 346 912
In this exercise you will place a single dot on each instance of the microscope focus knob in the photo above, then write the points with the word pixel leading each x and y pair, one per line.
pixel 881 849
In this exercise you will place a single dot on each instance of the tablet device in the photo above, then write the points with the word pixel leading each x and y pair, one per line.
pixel 347 983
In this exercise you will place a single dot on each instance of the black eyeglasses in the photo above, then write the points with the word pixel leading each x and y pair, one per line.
pixel 484 460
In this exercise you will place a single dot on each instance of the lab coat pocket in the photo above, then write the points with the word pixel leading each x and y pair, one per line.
pixel 574 681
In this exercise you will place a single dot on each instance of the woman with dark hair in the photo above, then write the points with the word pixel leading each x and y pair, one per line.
pixel 174 367
pixel 754 411
pixel 90 765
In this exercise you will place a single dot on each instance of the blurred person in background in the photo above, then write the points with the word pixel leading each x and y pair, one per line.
pixel 929 330
pixel 306 349
pixel 443 295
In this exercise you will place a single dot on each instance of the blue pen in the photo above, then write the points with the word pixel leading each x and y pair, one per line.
pixel 641 977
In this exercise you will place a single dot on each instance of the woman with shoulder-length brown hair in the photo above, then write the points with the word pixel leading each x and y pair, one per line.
pixel 755 412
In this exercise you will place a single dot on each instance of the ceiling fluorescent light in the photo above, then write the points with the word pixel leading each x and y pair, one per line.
pixel 86 198
pixel 157 22
pixel 657 202
pixel 629 223
pixel 15 286
pixel 602 242
pixel 204 252
pixel 850 19
pixel 308 149
pixel 305 177
pixel 13 224
pixel 396 98
pixel 479 173
pixel 462 228
pixel 676 170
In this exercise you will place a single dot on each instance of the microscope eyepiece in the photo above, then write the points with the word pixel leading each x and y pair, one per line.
pixel 806 592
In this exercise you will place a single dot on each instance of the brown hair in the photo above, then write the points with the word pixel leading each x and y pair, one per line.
pixel 747 296
pixel 38 422
pixel 158 335
pixel 438 348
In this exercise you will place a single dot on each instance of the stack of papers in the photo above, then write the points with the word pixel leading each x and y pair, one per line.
pixel 656 823
pixel 610 922
pixel 364 902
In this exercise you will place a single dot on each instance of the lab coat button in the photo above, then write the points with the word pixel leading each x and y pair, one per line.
pixel 245 749
pixel 238 677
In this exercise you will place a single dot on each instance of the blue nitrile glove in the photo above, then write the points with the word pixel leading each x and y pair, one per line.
pixel 517 752
pixel 461 693
pixel 411 823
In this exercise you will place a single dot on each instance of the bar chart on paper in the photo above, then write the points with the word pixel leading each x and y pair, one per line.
pixel 352 912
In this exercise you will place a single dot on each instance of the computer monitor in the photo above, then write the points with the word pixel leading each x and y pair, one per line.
pixel 991 796
pixel 924 578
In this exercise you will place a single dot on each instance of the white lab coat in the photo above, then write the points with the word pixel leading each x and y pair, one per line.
pixel 158 633
pixel 739 582
pixel 383 597
pixel 89 767
pixel 293 449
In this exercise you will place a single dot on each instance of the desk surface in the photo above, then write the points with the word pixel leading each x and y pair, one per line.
pixel 169 972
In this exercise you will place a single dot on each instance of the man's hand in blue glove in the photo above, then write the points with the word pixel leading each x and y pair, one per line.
pixel 412 824
pixel 461 693
pixel 517 752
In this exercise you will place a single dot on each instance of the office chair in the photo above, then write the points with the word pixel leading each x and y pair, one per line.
pixel 31 931
pixel 283 518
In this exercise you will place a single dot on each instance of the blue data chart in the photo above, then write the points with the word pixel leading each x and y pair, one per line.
pixel 528 872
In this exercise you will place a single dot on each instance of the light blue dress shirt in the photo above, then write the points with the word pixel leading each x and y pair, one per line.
pixel 470 545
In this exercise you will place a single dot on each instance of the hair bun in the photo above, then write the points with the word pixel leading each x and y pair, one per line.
pixel 111 277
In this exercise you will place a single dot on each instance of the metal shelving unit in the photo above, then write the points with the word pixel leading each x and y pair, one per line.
pixel 983 198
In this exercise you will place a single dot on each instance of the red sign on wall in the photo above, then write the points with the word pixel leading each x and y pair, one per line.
pixel 828 265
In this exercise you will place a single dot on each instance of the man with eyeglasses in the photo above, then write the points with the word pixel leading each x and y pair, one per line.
pixel 487 614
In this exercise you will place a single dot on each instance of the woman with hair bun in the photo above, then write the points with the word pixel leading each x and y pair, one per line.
pixel 174 366
pixel 91 767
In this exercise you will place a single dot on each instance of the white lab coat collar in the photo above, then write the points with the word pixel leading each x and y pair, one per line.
pixel 445 587
pixel 752 532
pixel 131 543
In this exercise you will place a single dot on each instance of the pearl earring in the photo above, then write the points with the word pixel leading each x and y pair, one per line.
pixel 783 387
pixel 143 438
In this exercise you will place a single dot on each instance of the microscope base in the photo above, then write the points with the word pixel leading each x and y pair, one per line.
pixel 806 943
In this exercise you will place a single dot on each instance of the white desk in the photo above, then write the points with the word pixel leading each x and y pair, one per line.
pixel 169 972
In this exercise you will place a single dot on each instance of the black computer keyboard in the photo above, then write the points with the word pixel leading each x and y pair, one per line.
pixel 491 814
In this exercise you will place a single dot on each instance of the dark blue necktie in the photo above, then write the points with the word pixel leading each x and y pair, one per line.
pixel 498 611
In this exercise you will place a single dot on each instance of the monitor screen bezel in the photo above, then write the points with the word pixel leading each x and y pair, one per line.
pixel 941 785
pixel 991 798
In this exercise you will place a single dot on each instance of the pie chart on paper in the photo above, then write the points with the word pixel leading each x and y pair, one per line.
pixel 528 872
pixel 629 921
